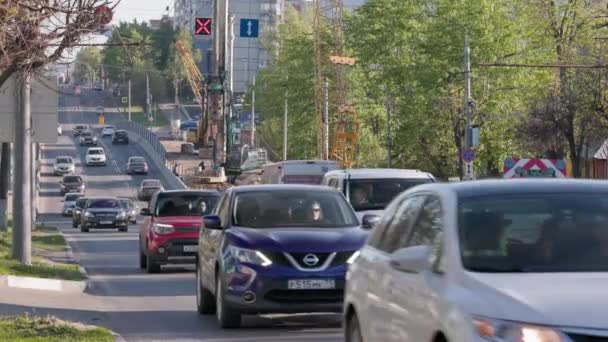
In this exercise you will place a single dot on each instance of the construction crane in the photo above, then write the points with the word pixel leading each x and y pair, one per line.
pixel 199 88
pixel 346 126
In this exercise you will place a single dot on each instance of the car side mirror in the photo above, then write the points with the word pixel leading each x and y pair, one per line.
pixel 145 212
pixel 411 259
pixel 369 221
pixel 212 222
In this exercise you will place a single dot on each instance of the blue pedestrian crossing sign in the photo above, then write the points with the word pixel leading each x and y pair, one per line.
pixel 250 28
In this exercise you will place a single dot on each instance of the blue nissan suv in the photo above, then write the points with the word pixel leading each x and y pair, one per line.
pixel 276 249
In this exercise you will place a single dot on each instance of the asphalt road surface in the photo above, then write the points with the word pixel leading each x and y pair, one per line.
pixel 140 306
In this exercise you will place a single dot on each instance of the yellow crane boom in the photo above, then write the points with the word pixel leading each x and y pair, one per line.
pixel 197 83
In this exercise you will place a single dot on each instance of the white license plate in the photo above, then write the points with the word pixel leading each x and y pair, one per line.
pixel 106 222
pixel 190 248
pixel 311 284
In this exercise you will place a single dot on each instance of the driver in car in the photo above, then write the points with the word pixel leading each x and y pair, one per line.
pixel 359 197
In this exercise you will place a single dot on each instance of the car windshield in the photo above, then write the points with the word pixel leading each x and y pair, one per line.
pixel 126 203
pixel 81 127
pixel 81 202
pixel 137 160
pixel 106 203
pixel 185 204
pixel 72 197
pixel 293 208
pixel 72 179
pixel 566 232
pixel 109 127
pixel 95 151
pixel 377 193
pixel 151 184
pixel 64 161
pixel 86 134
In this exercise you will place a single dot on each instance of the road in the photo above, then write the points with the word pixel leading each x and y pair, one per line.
pixel 140 306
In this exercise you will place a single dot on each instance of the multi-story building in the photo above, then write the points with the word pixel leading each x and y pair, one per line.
pixel 155 24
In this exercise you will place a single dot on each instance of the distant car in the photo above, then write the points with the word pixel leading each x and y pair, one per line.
pixel 130 207
pixel 147 188
pixel 69 200
pixel 59 129
pixel 99 109
pixel 98 86
pixel 188 124
pixel 116 91
pixel 95 156
pixel 87 139
pixel 79 129
pixel 137 165
pixel 63 165
pixel 78 206
pixel 120 137
pixel 169 233
pixel 104 212
pixel 71 183
pixel 108 130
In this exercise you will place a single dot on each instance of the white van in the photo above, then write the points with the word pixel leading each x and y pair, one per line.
pixel 369 191
pixel 298 171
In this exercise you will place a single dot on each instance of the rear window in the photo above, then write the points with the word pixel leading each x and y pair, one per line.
pixel 72 179
pixel 302 179
pixel 185 204
pixel 151 183
pixel 137 160
pixel 377 193
pixel 120 133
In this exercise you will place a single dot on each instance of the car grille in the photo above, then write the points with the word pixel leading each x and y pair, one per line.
pixel 305 296
pixel 280 259
pixel 176 247
pixel 187 229
pixel 105 215
pixel 587 338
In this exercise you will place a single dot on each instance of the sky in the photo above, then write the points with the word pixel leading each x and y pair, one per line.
pixel 142 10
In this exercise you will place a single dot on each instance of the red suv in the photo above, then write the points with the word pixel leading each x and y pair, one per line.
pixel 169 232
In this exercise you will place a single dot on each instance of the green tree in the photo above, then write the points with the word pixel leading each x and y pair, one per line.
pixel 87 64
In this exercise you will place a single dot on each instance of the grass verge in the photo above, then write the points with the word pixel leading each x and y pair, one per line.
pixel 49 329
pixel 45 241
pixel 137 115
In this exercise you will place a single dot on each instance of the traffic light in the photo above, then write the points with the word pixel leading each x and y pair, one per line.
pixel 202 26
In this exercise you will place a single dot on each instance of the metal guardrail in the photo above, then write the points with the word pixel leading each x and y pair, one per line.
pixel 150 136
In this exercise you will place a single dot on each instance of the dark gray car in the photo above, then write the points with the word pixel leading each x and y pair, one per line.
pixel 147 188
pixel 78 207
pixel 104 212
pixel 137 165
pixel 71 184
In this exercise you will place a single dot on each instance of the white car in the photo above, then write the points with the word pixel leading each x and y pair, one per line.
pixel 492 260
pixel 96 156
pixel 63 165
pixel 59 129
pixel 108 130
pixel 69 200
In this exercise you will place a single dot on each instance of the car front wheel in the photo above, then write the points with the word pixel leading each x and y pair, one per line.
pixel 353 329
pixel 74 224
pixel 227 317
pixel 205 303
pixel 151 265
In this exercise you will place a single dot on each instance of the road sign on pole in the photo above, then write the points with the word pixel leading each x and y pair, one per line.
pixel 468 155
pixel 468 171
pixel 125 99
pixel 202 26
pixel 250 28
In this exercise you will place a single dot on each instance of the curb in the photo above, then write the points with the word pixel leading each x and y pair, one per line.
pixel 71 256
pixel 43 284
pixel 118 337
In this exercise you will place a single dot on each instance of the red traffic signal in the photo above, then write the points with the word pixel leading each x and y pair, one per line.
pixel 202 26
pixel 103 15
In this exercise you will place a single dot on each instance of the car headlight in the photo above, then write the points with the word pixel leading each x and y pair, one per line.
pixel 62 185
pixel 161 229
pixel 122 215
pixel 77 211
pixel 88 214
pixel 508 331
pixel 353 257
pixel 249 256
pixel 94 138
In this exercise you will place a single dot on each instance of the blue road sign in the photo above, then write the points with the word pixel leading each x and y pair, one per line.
pixel 250 28
pixel 468 155
pixel 245 118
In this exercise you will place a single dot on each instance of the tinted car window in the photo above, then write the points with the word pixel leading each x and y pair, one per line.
pixel 126 203
pixel 96 152
pixel 150 183
pixel 120 133
pixel 72 179
pixel 376 193
pixel 292 208
pixel 81 202
pixel 541 232
pixel 104 203
pixel 185 204
pixel 64 161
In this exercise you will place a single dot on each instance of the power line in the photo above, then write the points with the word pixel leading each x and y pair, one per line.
pixel 572 66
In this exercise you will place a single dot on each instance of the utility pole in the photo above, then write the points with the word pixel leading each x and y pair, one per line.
pixel 468 166
pixel 129 94
pixel 22 218
pixel 103 78
pixel 325 134
pixel 148 112
pixel 389 141
pixel 285 121
pixel 5 178
pixel 253 114
pixel 230 138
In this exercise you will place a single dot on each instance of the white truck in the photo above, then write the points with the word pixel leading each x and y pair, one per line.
pixel 298 171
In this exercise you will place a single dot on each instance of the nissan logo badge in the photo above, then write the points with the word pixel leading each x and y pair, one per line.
pixel 310 259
